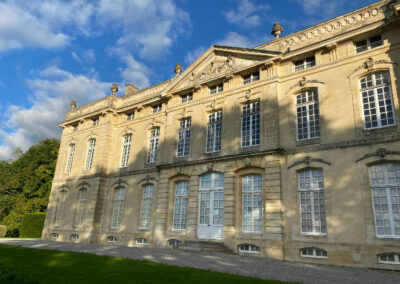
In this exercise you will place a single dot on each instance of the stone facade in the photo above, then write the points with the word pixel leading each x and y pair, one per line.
pixel 338 143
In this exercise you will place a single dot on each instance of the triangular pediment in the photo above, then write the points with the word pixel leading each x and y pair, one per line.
pixel 217 62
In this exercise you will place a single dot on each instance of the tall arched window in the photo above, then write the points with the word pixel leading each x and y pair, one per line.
pixel 377 102
pixel 181 200
pixel 385 189
pixel 126 149
pixel 58 216
pixel 90 154
pixel 312 202
pixel 252 203
pixel 147 203
pixel 80 210
pixel 118 208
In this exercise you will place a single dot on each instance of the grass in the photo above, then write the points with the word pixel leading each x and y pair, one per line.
pixel 24 265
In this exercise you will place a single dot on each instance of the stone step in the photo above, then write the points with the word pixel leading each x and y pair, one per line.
pixel 209 246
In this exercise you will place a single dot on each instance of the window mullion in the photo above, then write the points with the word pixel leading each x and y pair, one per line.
pixel 377 108
pixel 308 121
pixel 312 211
pixel 390 211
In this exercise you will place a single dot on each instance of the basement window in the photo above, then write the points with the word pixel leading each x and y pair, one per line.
pixel 112 239
pixel 313 253
pixel 368 43
pixel 389 258
pixel 174 243
pixel 249 248
pixel 54 236
pixel 74 237
pixel 141 241
pixel 304 64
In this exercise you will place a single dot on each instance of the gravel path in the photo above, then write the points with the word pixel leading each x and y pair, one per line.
pixel 243 265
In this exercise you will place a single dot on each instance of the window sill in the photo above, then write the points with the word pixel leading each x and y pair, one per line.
pixel 314 234
pixel 247 149
pixel 310 141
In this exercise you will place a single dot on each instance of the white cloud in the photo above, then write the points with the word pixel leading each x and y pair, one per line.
pixel 76 57
pixel 235 39
pixel 52 91
pixel 20 28
pixel 135 73
pixel 246 14
pixel 89 55
pixel 148 25
pixel 191 56
pixel 321 7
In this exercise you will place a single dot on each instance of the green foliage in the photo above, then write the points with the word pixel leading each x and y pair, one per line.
pixel 25 183
pixel 26 265
pixel 32 225
pixel 3 231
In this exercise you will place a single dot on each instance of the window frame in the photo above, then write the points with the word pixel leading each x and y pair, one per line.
pixel 185 98
pixel 146 212
pixel 59 212
pixel 251 248
pixel 254 116
pixel 312 192
pixel 112 239
pixel 184 135
pixel 308 104
pixel 368 45
pixel 251 78
pixel 90 154
pixel 374 88
pixel 252 193
pixel 121 204
pixel 183 197
pixel 126 149
pixel 396 257
pixel 157 108
pixel 70 158
pixel 80 210
pixel 216 89
pixel 129 116
pixel 152 154
pixel 304 64
pixel 314 253
pixel 95 121
pixel 216 126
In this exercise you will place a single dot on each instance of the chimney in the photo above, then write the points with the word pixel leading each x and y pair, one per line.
pixel 130 89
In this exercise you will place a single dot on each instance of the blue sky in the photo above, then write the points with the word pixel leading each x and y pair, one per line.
pixel 53 51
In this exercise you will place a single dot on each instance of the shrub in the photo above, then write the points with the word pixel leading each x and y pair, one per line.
pixel 32 225
pixel 3 231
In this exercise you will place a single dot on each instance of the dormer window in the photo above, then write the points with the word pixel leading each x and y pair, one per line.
pixel 75 127
pixel 216 89
pixel 368 43
pixel 130 116
pixel 304 64
pixel 95 121
pixel 157 108
pixel 187 98
pixel 251 78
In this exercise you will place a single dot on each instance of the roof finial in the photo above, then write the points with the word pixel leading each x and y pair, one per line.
pixel 178 69
pixel 277 30
pixel 114 88
pixel 72 105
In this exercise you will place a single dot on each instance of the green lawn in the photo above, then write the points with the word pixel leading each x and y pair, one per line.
pixel 25 265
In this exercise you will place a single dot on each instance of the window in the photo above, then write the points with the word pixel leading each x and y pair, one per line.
pixel 385 187
pixel 74 237
pixel 173 243
pixel 187 98
pixel 389 258
pixel 153 146
pixel 307 111
pixel 81 207
pixel 147 203
pixel 377 101
pixel 112 239
pixel 118 208
pixel 75 128
pixel 184 137
pixel 181 200
pixel 90 154
pixel 252 204
pixel 313 252
pixel 70 158
pixel 130 116
pixel 95 122
pixel 368 43
pixel 54 236
pixel 304 64
pixel 251 78
pixel 216 89
pixel 126 149
pixel 251 124
pixel 214 128
pixel 157 108
pixel 141 241
pixel 312 202
pixel 249 248
pixel 60 208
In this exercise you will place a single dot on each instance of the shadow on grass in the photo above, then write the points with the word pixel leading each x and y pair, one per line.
pixel 25 265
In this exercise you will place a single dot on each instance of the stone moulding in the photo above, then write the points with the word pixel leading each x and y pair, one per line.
pixel 381 153
pixel 307 160
pixel 369 65
pixel 303 82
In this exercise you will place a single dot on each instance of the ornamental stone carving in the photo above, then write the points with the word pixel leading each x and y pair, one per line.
pixel 307 160
pixel 381 153
pixel 218 66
